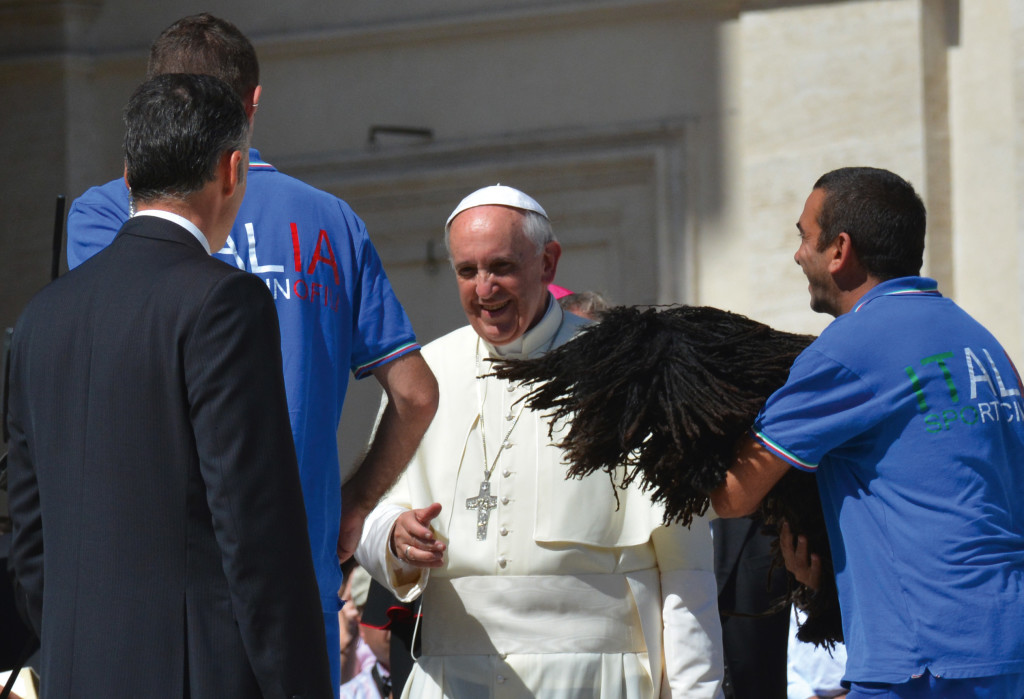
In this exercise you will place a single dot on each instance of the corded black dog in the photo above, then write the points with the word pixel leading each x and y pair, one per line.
pixel 668 393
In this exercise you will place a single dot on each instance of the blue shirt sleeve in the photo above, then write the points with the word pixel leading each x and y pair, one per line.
pixel 94 220
pixel 382 331
pixel 822 406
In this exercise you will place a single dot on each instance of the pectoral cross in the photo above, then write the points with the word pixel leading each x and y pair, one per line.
pixel 483 503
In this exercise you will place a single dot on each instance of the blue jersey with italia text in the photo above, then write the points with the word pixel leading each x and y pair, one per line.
pixel 911 414
pixel 337 310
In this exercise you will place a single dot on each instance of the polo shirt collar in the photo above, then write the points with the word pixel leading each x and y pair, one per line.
pixel 901 286
pixel 258 163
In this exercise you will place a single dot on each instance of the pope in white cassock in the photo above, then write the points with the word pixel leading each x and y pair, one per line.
pixel 531 584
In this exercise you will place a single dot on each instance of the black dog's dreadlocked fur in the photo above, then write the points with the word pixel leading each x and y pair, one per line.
pixel 668 393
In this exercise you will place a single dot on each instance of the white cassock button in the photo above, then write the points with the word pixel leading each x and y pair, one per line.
pixel 502 561
pixel 511 387
pixel 503 531
pixel 506 473
pixel 504 501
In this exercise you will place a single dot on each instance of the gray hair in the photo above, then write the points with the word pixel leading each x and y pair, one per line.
pixel 589 304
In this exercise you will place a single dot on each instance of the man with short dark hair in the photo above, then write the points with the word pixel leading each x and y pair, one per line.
pixel 159 527
pixel 910 413
pixel 337 310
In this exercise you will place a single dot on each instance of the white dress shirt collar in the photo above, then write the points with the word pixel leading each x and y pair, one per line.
pixel 181 221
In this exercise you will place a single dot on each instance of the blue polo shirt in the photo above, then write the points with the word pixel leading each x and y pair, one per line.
pixel 337 311
pixel 911 414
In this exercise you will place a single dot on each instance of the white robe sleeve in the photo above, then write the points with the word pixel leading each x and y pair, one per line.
pixel 374 554
pixel 692 633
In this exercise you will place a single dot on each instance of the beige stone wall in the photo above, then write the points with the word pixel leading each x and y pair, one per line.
pixel 985 115
pixel 823 86
pixel 674 140
pixel 910 85
pixel 1015 235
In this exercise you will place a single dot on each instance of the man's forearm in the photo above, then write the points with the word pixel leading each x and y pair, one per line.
pixel 412 401
pixel 751 476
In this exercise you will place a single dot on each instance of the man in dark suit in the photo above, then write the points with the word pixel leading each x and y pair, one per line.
pixel 754 640
pixel 159 531
pixel 338 314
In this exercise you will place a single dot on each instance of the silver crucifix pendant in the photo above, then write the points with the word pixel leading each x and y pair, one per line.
pixel 483 503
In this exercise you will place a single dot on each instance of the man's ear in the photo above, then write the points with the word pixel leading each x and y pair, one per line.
pixel 551 254
pixel 841 253
pixel 231 171
pixel 251 107
pixel 844 264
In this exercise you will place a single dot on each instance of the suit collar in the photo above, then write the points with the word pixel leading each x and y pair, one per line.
pixel 181 221
pixel 156 228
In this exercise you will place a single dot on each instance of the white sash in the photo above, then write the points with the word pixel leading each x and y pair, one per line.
pixel 493 615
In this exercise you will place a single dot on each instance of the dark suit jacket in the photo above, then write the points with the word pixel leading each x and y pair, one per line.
pixel 755 644
pixel 159 528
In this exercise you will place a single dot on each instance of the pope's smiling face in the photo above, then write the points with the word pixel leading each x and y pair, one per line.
pixel 502 278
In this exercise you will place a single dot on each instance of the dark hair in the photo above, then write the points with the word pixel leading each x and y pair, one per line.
pixel 883 215
pixel 208 45
pixel 177 126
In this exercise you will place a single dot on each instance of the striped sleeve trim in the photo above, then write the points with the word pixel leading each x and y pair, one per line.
pixel 365 369
pixel 786 456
